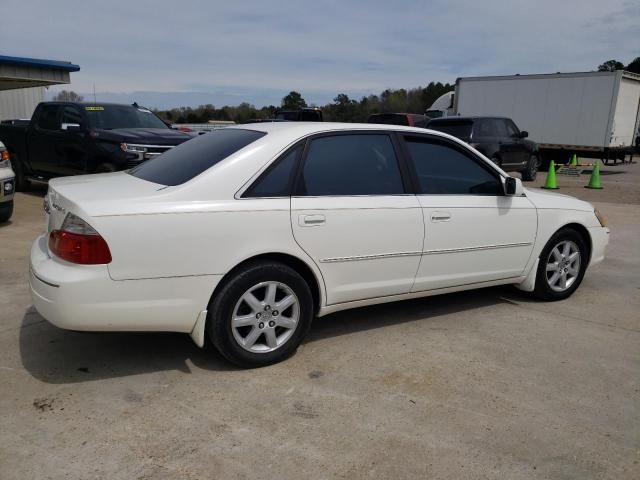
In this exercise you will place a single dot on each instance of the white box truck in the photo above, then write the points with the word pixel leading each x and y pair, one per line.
pixel 593 114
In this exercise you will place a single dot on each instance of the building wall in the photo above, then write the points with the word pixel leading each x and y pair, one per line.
pixel 20 103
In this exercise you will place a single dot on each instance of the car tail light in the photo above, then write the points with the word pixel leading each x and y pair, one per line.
pixel 77 242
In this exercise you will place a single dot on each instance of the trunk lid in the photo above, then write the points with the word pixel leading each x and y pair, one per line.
pixel 94 195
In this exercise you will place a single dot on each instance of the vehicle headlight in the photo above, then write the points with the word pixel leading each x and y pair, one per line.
pixel 600 217
pixel 4 159
pixel 128 147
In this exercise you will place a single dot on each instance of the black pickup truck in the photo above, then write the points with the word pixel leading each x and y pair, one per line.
pixel 76 138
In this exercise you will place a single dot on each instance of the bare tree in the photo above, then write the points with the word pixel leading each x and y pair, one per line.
pixel 67 96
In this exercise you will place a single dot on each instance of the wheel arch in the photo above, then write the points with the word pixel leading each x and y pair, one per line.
pixel 528 284
pixel 583 232
pixel 313 278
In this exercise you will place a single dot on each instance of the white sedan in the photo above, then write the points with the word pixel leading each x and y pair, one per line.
pixel 245 234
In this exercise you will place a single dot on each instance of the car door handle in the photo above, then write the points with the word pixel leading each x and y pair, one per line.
pixel 440 216
pixel 311 220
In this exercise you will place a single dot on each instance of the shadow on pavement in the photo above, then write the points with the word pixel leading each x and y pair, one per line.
pixel 58 356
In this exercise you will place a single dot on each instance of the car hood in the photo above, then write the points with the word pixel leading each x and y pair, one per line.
pixel 146 136
pixel 543 199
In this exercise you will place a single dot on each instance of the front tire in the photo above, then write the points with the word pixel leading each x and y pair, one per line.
pixel 6 210
pixel 562 265
pixel 22 184
pixel 261 315
pixel 530 172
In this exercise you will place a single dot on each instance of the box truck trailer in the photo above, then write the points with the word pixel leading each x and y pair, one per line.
pixel 592 114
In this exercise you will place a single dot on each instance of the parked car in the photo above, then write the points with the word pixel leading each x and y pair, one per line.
pixel 245 234
pixel 311 114
pixel 406 119
pixel 7 185
pixel 65 138
pixel 497 138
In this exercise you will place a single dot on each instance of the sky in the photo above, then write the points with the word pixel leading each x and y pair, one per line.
pixel 170 53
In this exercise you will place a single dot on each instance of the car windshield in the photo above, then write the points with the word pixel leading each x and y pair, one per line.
pixel 190 159
pixel 110 117
pixel 458 128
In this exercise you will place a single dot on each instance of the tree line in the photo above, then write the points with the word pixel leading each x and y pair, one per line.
pixel 342 109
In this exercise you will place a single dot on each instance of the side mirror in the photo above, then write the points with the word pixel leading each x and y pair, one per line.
pixel 513 187
pixel 71 127
pixel 524 134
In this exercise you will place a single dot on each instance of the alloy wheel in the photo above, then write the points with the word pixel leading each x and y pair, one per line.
pixel 265 317
pixel 563 266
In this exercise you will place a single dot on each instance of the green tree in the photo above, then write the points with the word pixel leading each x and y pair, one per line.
pixel 67 96
pixel 293 101
pixel 634 66
pixel 610 66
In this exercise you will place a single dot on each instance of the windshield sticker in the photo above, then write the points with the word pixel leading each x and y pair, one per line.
pixel 94 109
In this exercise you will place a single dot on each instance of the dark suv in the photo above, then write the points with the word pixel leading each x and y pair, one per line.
pixel 406 119
pixel 497 138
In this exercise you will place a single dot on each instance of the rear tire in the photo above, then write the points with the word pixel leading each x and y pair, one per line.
pixel 6 210
pixel 530 172
pixel 260 315
pixel 562 265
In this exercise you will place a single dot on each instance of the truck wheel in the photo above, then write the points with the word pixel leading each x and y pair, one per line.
pixel 6 210
pixel 531 170
pixel 22 184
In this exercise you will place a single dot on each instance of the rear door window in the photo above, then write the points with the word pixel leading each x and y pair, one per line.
pixel 458 128
pixel 48 117
pixel 186 161
pixel 354 164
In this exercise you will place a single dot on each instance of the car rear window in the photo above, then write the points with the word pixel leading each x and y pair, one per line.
pixel 457 128
pixel 186 161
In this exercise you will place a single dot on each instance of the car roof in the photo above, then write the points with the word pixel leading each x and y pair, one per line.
pixel 308 128
pixel 469 118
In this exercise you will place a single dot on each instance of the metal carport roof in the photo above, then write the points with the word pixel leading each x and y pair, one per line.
pixel 21 72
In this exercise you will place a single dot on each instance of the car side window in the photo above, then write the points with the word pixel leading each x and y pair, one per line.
pixel 276 180
pixel 483 129
pixel 353 164
pixel 71 114
pixel 444 169
pixel 48 117
pixel 500 127
pixel 512 131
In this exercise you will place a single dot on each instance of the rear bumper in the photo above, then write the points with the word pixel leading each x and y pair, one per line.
pixel 599 242
pixel 84 297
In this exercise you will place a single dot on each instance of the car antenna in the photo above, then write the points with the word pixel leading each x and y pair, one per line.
pixel 135 104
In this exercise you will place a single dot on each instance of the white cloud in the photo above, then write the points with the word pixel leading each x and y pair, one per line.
pixel 320 47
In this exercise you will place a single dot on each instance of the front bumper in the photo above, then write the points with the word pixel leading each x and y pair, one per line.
pixel 599 242
pixel 7 185
pixel 85 298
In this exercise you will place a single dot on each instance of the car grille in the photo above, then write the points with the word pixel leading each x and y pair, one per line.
pixel 151 151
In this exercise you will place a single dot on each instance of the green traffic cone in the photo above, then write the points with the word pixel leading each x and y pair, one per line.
pixel 550 183
pixel 594 181
pixel 574 161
